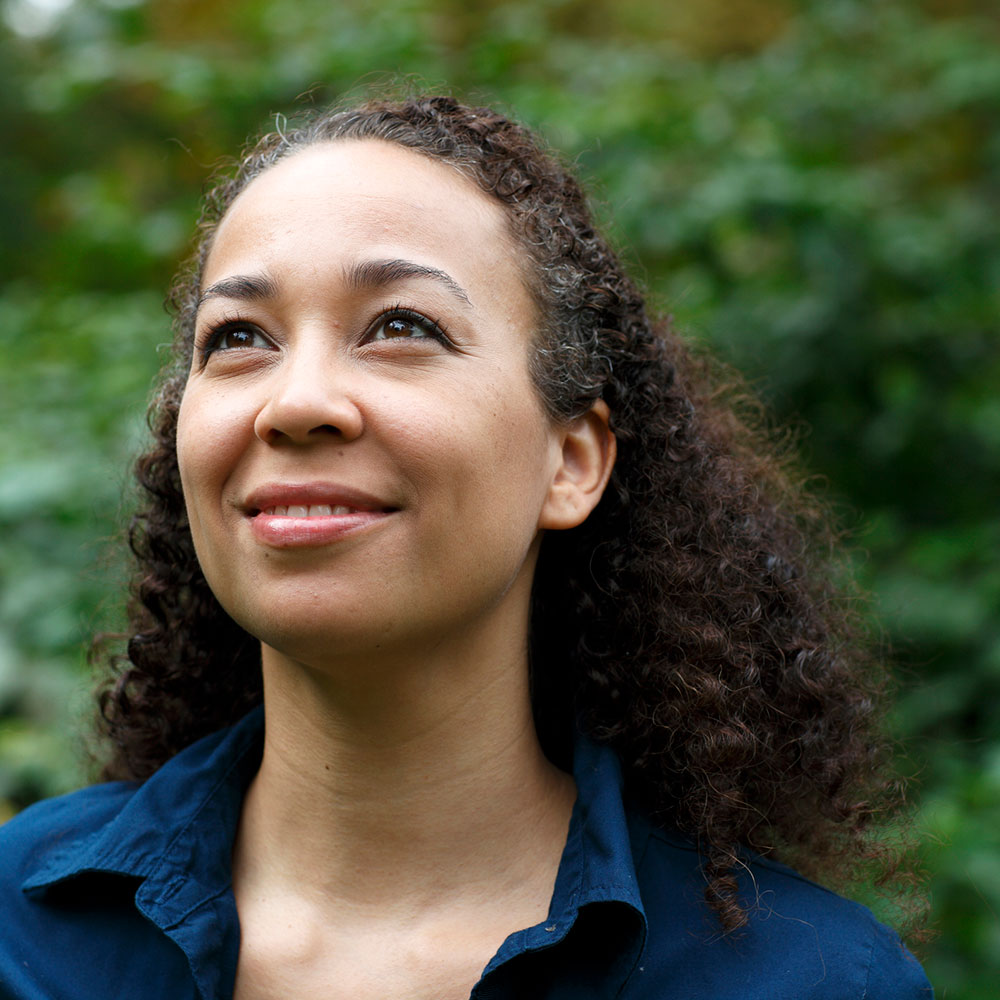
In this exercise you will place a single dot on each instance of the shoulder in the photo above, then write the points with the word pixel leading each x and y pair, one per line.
pixel 801 941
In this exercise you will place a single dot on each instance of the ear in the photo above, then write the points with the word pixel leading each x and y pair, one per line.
pixel 587 457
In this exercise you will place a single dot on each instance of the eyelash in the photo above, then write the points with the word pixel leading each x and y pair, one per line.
pixel 210 344
pixel 434 328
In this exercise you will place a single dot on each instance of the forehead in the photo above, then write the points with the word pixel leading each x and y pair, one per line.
pixel 355 198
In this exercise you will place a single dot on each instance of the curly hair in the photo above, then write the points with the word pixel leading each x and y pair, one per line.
pixel 693 622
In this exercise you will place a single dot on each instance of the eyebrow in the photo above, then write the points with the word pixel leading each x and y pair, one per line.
pixel 377 273
pixel 362 275
pixel 249 287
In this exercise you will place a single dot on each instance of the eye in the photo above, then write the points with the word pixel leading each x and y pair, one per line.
pixel 405 324
pixel 232 336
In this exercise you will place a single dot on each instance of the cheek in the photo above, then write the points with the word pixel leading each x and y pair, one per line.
pixel 192 447
pixel 496 458
pixel 209 435
pixel 193 467
pixel 518 440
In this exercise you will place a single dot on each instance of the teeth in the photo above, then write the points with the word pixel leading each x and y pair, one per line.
pixel 313 510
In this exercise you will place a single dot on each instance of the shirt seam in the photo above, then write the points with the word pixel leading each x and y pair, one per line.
pixel 204 901
pixel 219 783
pixel 871 962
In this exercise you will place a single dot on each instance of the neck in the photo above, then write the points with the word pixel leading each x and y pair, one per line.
pixel 401 780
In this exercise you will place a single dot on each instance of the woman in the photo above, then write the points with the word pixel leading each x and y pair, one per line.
pixel 500 562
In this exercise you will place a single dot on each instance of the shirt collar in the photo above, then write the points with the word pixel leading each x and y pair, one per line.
pixel 597 873
pixel 151 837
pixel 175 834
pixel 159 838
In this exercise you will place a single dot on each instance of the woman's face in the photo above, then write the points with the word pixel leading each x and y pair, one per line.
pixel 363 455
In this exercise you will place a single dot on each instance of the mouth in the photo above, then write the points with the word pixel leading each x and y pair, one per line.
pixel 316 510
pixel 307 515
pixel 309 500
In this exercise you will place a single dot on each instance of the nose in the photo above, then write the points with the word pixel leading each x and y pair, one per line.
pixel 309 398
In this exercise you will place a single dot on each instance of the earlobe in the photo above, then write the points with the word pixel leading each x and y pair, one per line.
pixel 587 457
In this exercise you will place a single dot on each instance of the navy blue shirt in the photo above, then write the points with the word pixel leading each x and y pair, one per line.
pixel 125 890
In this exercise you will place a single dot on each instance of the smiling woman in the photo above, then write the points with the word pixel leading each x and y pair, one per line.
pixel 478 646
pixel 319 379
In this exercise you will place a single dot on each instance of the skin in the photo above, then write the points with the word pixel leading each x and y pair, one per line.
pixel 404 820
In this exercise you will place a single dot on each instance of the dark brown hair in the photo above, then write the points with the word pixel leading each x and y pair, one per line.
pixel 693 621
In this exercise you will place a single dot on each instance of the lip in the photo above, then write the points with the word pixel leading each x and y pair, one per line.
pixel 312 494
pixel 283 531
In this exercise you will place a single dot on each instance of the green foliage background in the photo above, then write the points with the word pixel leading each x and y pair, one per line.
pixel 811 187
